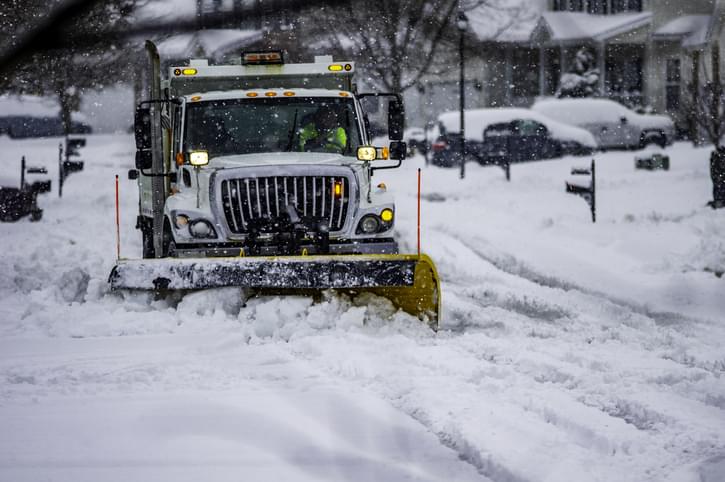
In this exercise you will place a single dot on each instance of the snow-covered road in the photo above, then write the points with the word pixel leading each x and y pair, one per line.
pixel 569 351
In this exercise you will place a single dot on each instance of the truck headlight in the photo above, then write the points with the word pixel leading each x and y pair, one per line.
pixel 201 228
pixel 369 224
pixel 181 220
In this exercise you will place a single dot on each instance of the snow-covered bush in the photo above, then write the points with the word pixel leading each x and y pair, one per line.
pixel 582 79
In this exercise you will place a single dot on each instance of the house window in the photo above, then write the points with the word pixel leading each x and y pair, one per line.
pixel 672 87
pixel 634 5
pixel 576 5
pixel 598 6
pixel 619 6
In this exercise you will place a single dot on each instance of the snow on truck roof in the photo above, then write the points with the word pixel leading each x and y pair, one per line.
pixel 264 93
pixel 478 119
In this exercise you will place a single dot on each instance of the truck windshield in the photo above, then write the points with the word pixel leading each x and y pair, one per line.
pixel 285 124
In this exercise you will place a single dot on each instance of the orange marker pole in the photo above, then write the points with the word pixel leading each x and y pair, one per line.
pixel 118 225
pixel 419 212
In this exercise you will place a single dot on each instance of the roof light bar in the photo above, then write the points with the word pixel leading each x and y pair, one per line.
pixel 262 58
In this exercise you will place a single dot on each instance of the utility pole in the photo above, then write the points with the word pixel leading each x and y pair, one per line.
pixel 462 24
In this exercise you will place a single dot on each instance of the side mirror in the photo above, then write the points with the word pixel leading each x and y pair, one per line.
pixel 144 160
pixel 132 174
pixel 623 120
pixel 398 150
pixel 396 120
pixel 142 128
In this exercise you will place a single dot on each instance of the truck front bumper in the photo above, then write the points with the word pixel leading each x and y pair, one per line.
pixel 368 246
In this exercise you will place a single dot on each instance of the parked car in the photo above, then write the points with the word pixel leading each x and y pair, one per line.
pixel 507 135
pixel 19 127
pixel 32 116
pixel 415 139
pixel 613 125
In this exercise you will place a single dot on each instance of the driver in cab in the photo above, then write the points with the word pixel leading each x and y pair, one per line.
pixel 324 133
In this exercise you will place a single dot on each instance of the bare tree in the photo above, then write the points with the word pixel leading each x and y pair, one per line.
pixel 66 72
pixel 397 42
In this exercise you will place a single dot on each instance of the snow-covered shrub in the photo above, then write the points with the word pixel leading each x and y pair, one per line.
pixel 582 79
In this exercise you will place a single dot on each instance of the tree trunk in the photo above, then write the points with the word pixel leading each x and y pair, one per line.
pixel 66 108
pixel 717 158
pixel 694 127
pixel 717 174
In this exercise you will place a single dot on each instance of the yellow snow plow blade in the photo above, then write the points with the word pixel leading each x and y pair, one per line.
pixel 410 282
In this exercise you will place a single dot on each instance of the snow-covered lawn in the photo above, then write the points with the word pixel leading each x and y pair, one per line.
pixel 568 350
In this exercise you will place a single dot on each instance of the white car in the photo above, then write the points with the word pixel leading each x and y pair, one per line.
pixel 613 125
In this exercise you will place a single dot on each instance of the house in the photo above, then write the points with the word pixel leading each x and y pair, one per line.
pixel 643 49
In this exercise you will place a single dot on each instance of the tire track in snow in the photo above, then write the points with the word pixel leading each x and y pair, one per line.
pixel 644 416
pixel 621 309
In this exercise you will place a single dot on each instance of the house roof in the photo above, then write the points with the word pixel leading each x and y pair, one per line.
pixel 206 43
pixel 682 26
pixel 575 26
pixel 709 30
pixel 700 36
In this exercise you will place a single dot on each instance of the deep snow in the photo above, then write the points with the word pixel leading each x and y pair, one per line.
pixel 569 351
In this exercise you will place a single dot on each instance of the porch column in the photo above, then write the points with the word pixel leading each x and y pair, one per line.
pixel 508 74
pixel 542 71
pixel 601 65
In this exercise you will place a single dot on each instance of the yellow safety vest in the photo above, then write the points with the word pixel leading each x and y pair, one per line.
pixel 335 139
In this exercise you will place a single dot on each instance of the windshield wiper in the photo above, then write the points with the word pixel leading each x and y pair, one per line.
pixel 292 133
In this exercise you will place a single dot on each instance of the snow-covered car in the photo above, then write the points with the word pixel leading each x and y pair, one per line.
pixel 508 134
pixel 32 116
pixel 613 125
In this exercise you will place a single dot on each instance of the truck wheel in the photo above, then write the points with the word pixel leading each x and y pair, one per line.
pixel 36 214
pixel 169 244
pixel 147 243
pixel 147 238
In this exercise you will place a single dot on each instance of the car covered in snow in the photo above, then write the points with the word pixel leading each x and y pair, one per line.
pixel 613 125
pixel 495 136
pixel 414 137
pixel 32 116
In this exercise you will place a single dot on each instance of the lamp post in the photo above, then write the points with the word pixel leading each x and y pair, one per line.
pixel 462 24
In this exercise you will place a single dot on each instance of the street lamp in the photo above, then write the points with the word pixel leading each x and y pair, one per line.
pixel 462 24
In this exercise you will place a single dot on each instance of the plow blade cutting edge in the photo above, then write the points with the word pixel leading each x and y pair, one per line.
pixel 410 282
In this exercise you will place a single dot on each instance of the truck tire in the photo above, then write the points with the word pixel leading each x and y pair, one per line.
pixel 169 243
pixel 147 243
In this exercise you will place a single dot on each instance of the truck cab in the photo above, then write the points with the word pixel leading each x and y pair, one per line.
pixel 263 159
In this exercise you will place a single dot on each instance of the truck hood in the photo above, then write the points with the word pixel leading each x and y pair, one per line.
pixel 267 159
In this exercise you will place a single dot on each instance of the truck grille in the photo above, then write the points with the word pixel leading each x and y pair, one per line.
pixel 262 201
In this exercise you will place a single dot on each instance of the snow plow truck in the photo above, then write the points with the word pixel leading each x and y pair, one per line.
pixel 258 175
